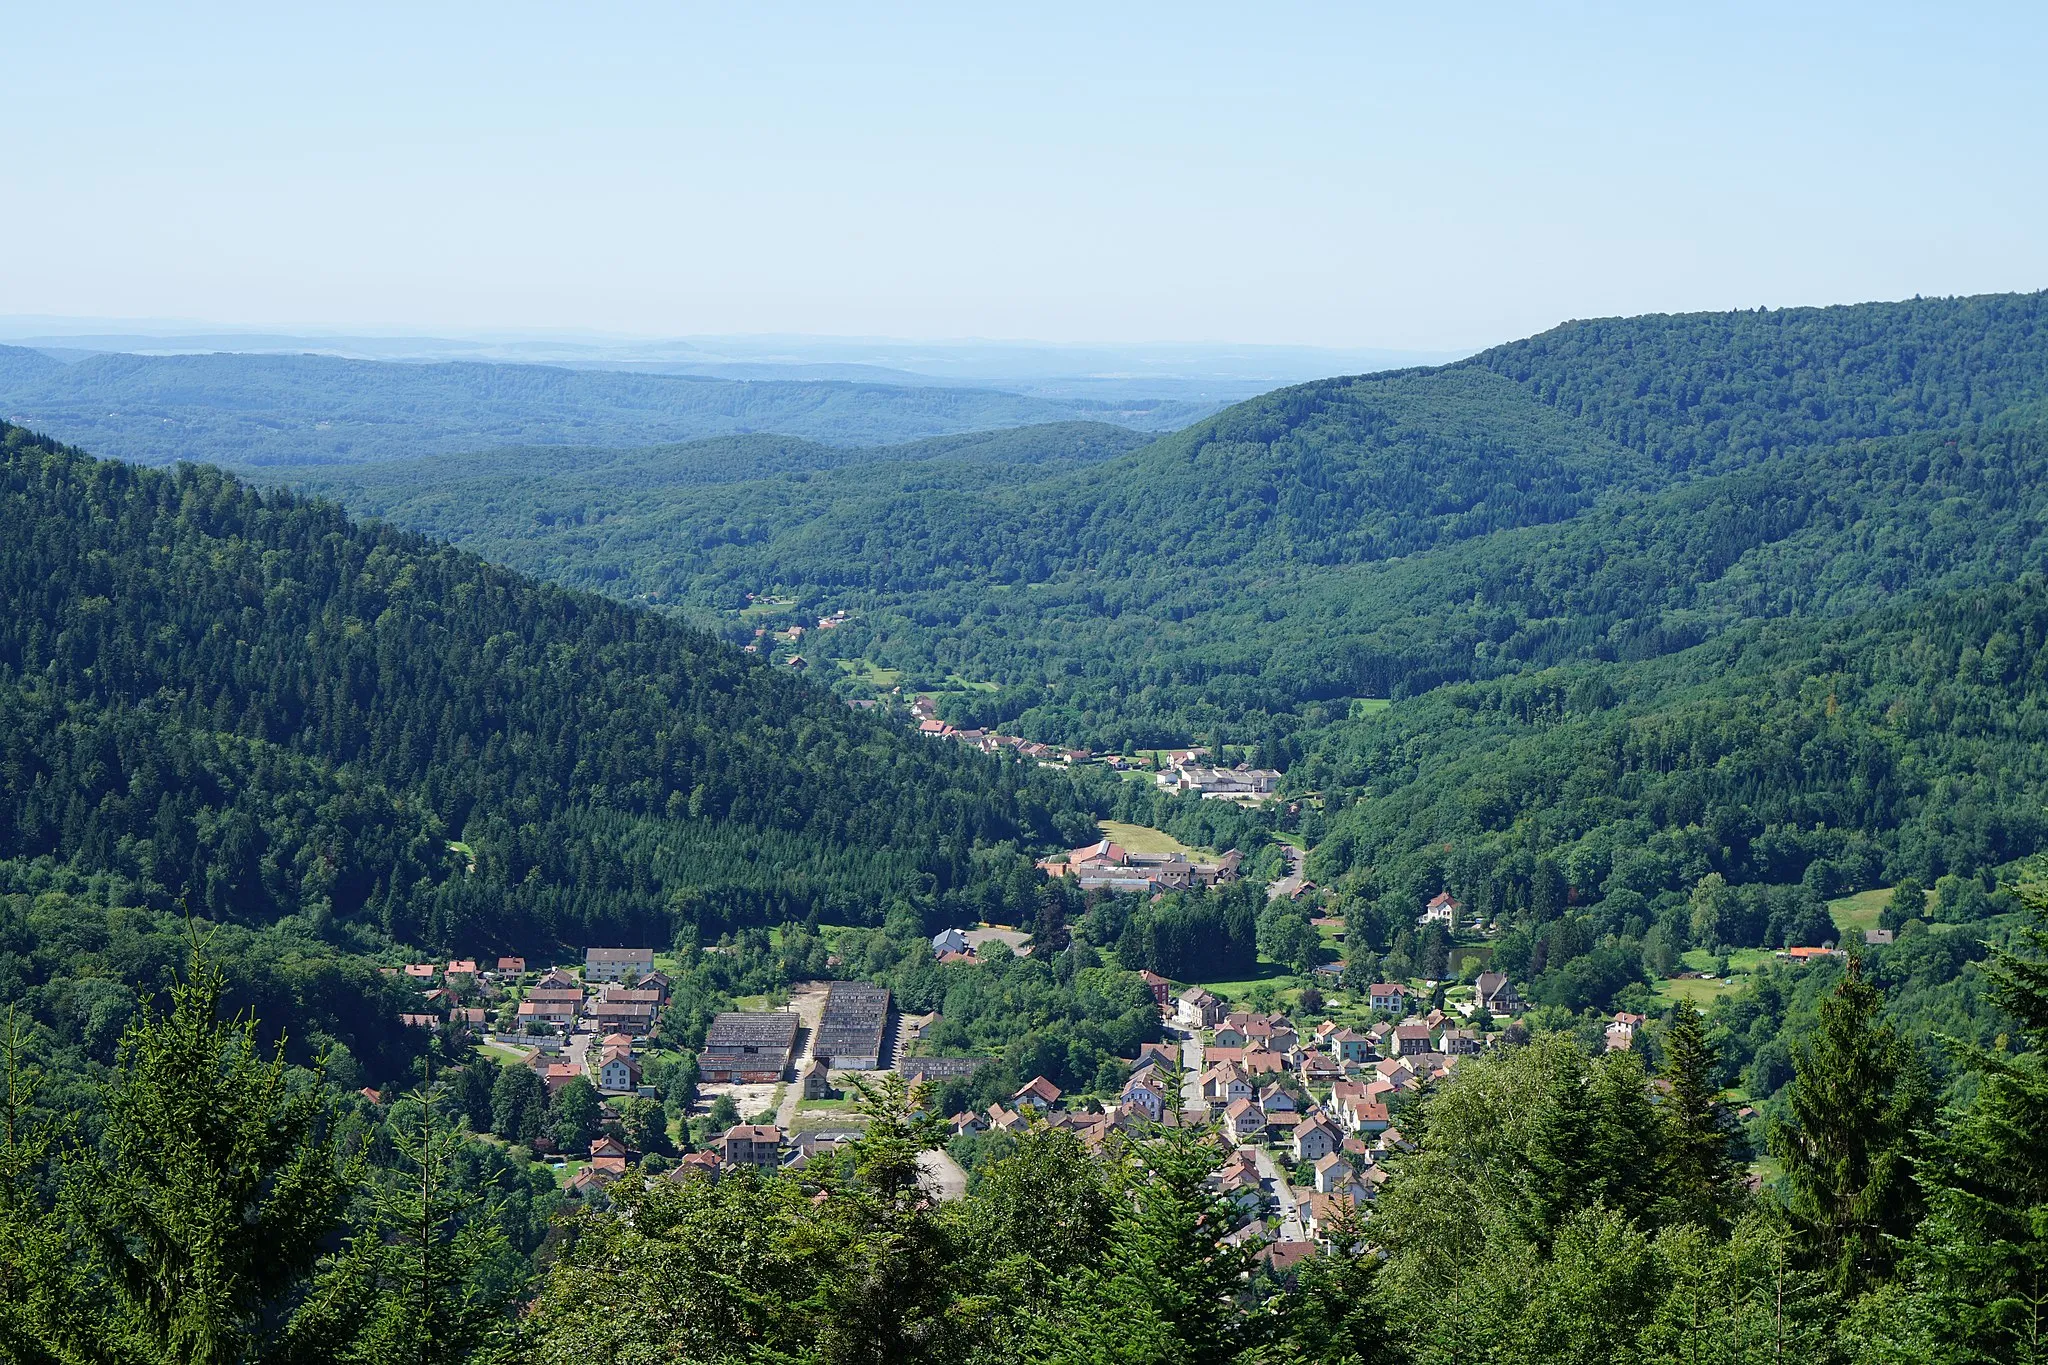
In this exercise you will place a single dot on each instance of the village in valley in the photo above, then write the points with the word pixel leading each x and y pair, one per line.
pixel 1304 1077
pixel 1306 1103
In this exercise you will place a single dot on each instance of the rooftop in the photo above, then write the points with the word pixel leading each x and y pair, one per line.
pixel 773 1029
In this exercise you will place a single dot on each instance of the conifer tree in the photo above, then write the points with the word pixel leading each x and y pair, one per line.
pixel 1858 1097
pixel 1334 1316
pixel 1979 1260
pixel 41 1294
pixel 1172 1283
pixel 214 1188
pixel 425 1282
pixel 1700 1162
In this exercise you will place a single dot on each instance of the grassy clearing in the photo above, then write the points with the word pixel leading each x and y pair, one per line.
pixel 1361 707
pixel 861 671
pixel 502 1053
pixel 1141 839
pixel 1740 961
pixel 1270 974
pixel 1854 914
pixel 768 606
pixel 1696 991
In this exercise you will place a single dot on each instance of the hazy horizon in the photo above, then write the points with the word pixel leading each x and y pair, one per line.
pixel 1320 176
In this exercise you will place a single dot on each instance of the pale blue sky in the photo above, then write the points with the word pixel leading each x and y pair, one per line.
pixel 1357 175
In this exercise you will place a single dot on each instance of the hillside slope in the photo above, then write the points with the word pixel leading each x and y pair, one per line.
pixel 245 703
pixel 1609 489
pixel 279 410
pixel 1906 741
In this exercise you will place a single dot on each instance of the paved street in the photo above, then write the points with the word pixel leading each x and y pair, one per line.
pixel 1191 1065
pixel 941 1176
pixel 1291 1228
pixel 576 1046
pixel 808 1000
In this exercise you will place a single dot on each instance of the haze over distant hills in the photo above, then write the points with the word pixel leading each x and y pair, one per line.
pixel 1178 370
pixel 297 410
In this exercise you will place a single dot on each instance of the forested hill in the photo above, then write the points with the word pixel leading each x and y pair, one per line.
pixel 284 411
pixel 243 702
pixel 1607 490
pixel 1715 390
pixel 1809 756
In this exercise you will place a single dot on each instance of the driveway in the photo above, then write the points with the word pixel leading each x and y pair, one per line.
pixel 576 1047
pixel 1014 939
pixel 808 1000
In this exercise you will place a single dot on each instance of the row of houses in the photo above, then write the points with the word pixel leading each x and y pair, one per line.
pixel 460 972
pixel 560 1000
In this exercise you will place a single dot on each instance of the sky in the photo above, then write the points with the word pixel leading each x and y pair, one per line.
pixel 1365 174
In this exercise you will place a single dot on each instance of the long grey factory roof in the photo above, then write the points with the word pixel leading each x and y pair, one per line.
pixel 751 1028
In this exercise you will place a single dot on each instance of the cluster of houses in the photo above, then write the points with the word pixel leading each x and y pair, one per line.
pixel 1108 866
pixel 619 992
pixel 619 996
pixel 990 742
pixel 457 991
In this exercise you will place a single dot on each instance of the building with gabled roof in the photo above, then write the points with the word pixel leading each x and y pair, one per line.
pixel 1494 993
pixel 751 1144
pixel 1315 1139
pixel 1039 1093
pixel 852 1027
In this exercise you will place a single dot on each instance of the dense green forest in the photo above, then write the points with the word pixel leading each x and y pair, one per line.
pixel 1608 490
pixel 246 706
pixel 283 410
pixel 1827 755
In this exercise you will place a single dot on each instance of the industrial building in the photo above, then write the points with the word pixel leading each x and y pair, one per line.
pixel 852 1029
pixel 752 1047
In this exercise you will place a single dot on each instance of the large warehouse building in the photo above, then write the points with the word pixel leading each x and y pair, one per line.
pixel 855 1022
pixel 753 1047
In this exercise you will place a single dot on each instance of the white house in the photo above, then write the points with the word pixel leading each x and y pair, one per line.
pixel 1333 1173
pixel 1142 1093
pixel 618 1072
pixel 949 941
pixel 1315 1140
pixel 1197 1008
pixel 1246 1119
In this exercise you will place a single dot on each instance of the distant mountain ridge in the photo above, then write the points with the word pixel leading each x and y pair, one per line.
pixel 1607 489
pixel 283 410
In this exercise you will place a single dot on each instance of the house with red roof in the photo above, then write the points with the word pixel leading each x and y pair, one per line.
pixel 1037 1093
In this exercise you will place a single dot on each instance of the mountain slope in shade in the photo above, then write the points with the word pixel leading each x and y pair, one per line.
pixel 243 702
